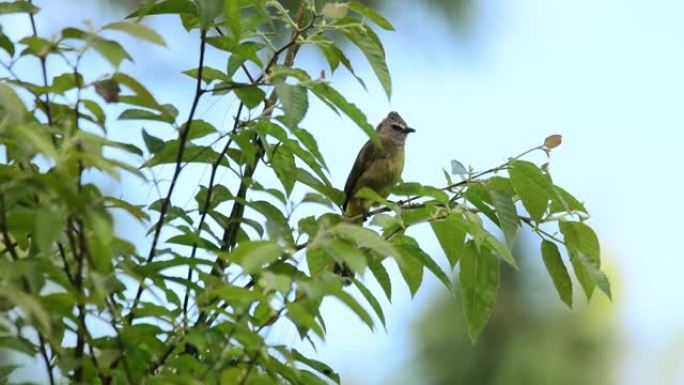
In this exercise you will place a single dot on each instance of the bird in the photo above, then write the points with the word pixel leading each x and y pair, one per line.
pixel 378 167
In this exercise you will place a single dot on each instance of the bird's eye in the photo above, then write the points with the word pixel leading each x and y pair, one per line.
pixel 396 127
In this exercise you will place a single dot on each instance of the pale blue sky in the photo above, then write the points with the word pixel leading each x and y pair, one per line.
pixel 607 75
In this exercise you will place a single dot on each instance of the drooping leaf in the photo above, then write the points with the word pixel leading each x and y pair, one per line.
pixel 479 280
pixel 366 40
pixel 283 164
pixel 410 249
pixel 326 93
pixel 317 365
pixel 294 100
pixel 507 214
pixel 380 273
pixel 451 236
pixel 585 255
pixel 371 14
pixel 557 271
pixel 371 300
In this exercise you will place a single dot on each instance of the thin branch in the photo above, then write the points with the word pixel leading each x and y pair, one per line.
pixel 230 232
pixel 183 137
pixel 205 208
pixel 43 68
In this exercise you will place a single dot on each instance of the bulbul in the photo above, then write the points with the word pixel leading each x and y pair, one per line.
pixel 377 167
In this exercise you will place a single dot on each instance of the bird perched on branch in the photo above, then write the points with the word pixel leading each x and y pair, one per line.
pixel 377 167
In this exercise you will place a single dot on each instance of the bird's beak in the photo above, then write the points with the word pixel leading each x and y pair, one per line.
pixel 409 130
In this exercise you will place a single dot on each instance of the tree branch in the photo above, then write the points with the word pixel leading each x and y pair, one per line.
pixel 183 137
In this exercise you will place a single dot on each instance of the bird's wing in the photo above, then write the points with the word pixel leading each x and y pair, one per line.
pixel 363 160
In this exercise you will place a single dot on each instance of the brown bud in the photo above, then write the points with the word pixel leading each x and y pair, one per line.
pixel 552 141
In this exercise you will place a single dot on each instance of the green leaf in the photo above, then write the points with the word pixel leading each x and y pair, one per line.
pixel 246 50
pixel 366 238
pixel 317 365
pixel 153 144
pixel 507 214
pixel 233 294
pixel 209 9
pixel 479 280
pixel 410 249
pixel 6 44
pixel 533 186
pixel 199 128
pixel 65 82
pixel 451 236
pixel 345 252
pixel 142 97
pixel 371 14
pixel 231 11
pixel 191 154
pixel 563 201
pixel 209 74
pixel 371 300
pixel 585 255
pixel 50 224
pixel 277 225
pixel 137 30
pixel 348 300
pixel 498 248
pixel 557 271
pixel 412 271
pixel 366 40
pixel 96 110
pixel 219 194
pixel 178 7
pixel 326 93
pixel 310 144
pixel 317 260
pixel 581 237
pixel 37 46
pixel 18 7
pixel 294 100
pixel 413 188
pixel 250 96
pixel 478 194
pixel 380 273
pixel 138 114
pixel 253 255
pixel 11 106
pixel 283 164
pixel 112 51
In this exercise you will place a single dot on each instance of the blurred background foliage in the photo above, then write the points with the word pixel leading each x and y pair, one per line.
pixel 530 338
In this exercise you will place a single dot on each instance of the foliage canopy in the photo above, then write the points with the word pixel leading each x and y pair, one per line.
pixel 195 306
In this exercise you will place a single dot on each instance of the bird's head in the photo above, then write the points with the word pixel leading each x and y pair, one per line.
pixel 394 128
